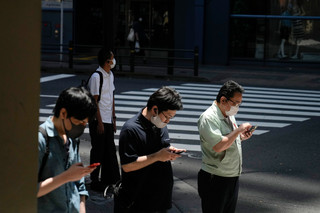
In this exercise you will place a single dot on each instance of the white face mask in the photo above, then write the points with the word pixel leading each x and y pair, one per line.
pixel 158 122
pixel 233 111
pixel 113 63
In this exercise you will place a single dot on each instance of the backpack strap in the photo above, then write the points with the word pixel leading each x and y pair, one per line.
pixel 101 82
pixel 46 154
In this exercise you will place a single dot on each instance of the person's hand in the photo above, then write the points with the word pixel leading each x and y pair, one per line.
pixel 244 131
pixel 245 135
pixel 166 154
pixel 100 128
pixel 176 151
pixel 114 125
pixel 244 127
pixel 77 171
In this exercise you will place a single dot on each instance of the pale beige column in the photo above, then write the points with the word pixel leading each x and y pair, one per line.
pixel 20 34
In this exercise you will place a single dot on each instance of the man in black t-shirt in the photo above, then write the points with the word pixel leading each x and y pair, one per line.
pixel 146 155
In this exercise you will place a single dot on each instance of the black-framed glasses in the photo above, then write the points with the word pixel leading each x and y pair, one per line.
pixel 235 103
pixel 167 117
pixel 82 122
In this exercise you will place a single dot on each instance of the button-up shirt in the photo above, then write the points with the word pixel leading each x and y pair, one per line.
pixel 65 198
pixel 106 96
pixel 213 126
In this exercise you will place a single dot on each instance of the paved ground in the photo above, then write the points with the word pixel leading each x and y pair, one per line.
pixel 300 77
pixel 185 197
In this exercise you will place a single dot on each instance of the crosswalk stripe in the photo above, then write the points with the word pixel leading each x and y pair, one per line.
pixel 254 91
pixel 197 114
pixel 188 147
pixel 274 94
pixel 55 77
pixel 194 121
pixel 267 108
pixel 243 109
pixel 255 88
pixel 246 97
pixel 268 117
pixel 173 128
pixel 49 96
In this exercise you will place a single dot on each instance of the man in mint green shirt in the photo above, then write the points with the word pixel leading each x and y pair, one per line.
pixel 220 136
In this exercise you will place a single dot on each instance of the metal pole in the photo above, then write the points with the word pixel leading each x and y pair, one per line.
pixel 196 61
pixel 70 54
pixel 132 54
pixel 61 29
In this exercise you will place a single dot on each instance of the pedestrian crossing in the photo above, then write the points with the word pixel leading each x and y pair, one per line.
pixel 268 108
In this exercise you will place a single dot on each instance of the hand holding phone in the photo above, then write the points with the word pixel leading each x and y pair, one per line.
pixel 178 152
pixel 252 128
pixel 94 165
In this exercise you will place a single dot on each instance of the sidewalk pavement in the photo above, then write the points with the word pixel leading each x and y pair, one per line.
pixel 299 77
pixel 185 197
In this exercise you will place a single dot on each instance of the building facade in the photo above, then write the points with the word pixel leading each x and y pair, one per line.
pixel 227 31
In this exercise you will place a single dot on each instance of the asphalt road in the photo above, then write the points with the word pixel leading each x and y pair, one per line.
pixel 281 170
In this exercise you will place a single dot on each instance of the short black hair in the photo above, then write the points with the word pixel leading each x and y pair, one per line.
pixel 165 98
pixel 228 89
pixel 78 102
pixel 104 55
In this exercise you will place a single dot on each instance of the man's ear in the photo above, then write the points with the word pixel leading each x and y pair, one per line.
pixel 223 100
pixel 155 109
pixel 63 113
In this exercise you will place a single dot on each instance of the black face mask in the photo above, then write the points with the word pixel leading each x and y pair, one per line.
pixel 76 130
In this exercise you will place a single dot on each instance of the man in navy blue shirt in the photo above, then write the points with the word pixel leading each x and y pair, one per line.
pixel 146 155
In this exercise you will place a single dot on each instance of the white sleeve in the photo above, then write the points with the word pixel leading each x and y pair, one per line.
pixel 94 84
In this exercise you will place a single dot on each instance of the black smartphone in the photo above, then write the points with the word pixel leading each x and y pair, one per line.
pixel 178 152
pixel 252 128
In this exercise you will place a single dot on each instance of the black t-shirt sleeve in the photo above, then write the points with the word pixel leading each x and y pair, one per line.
pixel 128 147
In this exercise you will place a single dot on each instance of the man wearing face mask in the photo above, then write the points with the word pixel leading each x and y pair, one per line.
pixel 61 186
pixel 103 127
pixel 146 155
pixel 221 137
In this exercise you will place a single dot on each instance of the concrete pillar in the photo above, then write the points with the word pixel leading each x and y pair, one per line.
pixel 20 23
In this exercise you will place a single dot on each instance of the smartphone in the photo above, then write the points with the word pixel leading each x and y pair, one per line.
pixel 94 165
pixel 252 128
pixel 178 152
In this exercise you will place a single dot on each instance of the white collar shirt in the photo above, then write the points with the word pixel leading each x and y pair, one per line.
pixel 107 90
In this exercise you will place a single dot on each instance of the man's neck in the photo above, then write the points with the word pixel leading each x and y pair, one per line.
pixel 106 68
pixel 57 122
pixel 146 113
pixel 221 109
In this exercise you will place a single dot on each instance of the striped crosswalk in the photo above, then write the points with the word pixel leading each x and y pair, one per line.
pixel 268 108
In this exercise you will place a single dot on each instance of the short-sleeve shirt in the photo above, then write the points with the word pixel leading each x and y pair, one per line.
pixel 65 198
pixel 107 90
pixel 213 126
pixel 151 186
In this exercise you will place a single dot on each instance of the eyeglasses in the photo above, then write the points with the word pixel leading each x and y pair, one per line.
pixel 235 103
pixel 80 122
pixel 167 117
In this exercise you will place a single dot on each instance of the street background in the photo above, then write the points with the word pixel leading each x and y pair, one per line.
pixel 280 168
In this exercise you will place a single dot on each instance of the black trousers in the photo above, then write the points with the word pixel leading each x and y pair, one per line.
pixel 120 208
pixel 218 194
pixel 104 151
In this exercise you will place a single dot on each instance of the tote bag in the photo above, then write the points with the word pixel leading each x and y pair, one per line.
pixel 131 35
